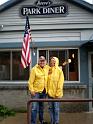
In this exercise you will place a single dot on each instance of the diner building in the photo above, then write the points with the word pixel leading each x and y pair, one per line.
pixel 61 28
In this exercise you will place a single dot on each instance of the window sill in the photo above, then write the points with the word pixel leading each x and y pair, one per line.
pixel 75 86
pixel 22 85
pixel 13 85
pixel 13 82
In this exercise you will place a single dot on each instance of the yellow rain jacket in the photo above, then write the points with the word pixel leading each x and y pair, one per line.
pixel 38 78
pixel 55 81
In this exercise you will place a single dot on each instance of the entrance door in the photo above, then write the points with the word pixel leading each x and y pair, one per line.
pixel 91 80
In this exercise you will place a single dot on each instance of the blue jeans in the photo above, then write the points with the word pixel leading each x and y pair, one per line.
pixel 54 112
pixel 37 107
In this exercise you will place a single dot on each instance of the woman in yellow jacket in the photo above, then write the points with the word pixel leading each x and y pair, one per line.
pixel 55 88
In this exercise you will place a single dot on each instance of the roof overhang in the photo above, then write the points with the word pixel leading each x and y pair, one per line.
pixel 88 43
pixel 79 3
pixel 44 44
pixel 83 4
pixel 9 4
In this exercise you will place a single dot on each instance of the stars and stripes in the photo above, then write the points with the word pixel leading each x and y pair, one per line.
pixel 26 52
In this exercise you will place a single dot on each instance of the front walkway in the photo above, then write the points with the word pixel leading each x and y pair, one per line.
pixel 65 118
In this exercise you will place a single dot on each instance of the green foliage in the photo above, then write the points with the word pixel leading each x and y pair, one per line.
pixel 4 111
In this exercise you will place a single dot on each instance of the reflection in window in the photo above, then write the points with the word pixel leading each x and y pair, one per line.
pixel 73 66
pixel 4 65
pixel 18 73
pixel 42 53
pixel 15 71
pixel 68 61
pixel 62 56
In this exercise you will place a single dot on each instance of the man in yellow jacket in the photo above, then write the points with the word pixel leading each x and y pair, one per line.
pixel 38 87
pixel 55 88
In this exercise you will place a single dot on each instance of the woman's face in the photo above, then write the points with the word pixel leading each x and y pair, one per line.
pixel 52 62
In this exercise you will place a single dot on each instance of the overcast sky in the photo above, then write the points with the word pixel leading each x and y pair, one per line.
pixel 3 1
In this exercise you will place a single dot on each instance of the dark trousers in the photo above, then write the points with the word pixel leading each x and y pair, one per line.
pixel 37 107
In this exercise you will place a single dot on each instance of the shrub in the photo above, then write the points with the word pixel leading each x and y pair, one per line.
pixel 4 111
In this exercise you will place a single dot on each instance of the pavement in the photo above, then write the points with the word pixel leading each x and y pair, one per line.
pixel 65 118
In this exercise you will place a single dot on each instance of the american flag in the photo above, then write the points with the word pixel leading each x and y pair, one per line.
pixel 26 52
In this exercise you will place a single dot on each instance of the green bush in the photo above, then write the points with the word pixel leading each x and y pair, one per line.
pixel 4 111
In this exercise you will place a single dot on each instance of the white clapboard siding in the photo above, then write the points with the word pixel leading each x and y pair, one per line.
pixel 41 36
pixel 87 35
pixel 39 27
pixel 76 15
pixel 48 27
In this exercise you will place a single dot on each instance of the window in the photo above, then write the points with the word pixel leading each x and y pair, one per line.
pixel 4 65
pixel 18 73
pixel 68 61
pixel 10 68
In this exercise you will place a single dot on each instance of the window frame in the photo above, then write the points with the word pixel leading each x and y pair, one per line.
pixel 13 81
pixel 63 49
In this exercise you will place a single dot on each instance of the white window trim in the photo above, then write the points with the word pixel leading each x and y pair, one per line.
pixel 64 49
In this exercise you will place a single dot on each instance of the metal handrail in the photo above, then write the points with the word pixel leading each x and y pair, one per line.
pixel 51 100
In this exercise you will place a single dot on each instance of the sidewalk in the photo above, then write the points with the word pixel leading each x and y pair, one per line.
pixel 65 118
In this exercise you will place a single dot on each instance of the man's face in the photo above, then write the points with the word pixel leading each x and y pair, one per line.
pixel 42 61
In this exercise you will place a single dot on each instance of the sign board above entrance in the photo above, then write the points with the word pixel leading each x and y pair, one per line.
pixel 44 7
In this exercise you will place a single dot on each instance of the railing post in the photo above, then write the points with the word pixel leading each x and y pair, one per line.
pixel 29 105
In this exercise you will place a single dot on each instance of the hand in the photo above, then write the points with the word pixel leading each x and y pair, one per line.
pixel 33 93
pixel 57 97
